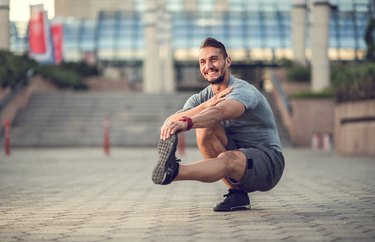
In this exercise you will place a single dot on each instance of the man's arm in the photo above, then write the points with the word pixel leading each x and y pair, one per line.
pixel 227 109
pixel 196 110
pixel 170 122
pixel 190 112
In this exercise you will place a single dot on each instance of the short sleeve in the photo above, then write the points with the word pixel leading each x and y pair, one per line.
pixel 198 98
pixel 192 102
pixel 244 93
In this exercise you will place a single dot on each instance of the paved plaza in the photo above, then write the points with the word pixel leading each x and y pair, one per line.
pixel 82 195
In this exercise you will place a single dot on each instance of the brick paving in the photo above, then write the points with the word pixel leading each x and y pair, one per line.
pixel 81 195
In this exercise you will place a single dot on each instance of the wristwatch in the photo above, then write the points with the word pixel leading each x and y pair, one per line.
pixel 188 121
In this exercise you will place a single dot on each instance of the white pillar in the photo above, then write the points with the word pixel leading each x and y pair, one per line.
pixel 151 60
pixel 190 5
pixel 319 45
pixel 222 5
pixel 168 74
pixel 299 16
pixel 4 25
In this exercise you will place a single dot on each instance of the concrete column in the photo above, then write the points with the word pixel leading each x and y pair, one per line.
pixel 151 60
pixel 168 74
pixel 319 45
pixel 4 25
pixel 299 16
pixel 190 5
pixel 222 5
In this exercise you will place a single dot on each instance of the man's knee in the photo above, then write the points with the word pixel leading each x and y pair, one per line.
pixel 234 160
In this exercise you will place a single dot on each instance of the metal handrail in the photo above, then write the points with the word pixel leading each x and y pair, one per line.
pixel 16 90
pixel 280 90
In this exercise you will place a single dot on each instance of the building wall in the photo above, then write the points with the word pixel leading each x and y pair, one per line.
pixel 252 31
pixel 355 127
pixel 89 9
pixel 311 117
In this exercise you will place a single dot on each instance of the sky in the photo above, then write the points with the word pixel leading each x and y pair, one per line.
pixel 20 9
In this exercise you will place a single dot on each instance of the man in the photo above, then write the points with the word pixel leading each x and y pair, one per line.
pixel 236 133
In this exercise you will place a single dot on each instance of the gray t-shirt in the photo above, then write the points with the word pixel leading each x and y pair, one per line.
pixel 256 125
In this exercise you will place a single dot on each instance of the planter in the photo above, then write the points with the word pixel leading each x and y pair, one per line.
pixel 311 119
pixel 355 128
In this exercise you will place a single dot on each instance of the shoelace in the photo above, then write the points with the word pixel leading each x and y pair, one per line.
pixel 230 192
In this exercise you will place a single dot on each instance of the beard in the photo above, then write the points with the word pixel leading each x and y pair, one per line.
pixel 218 80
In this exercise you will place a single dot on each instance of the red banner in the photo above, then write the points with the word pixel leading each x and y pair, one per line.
pixel 57 42
pixel 37 33
pixel 40 46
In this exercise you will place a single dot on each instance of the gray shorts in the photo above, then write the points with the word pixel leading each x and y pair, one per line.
pixel 265 167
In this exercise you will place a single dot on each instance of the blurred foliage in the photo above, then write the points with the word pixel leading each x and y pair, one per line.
pixel 349 82
pixel 326 93
pixel 61 77
pixel 298 73
pixel 285 62
pixel 82 68
pixel 68 74
pixel 353 82
pixel 13 69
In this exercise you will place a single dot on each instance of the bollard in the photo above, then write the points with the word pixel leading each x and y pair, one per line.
pixel 7 138
pixel 106 137
pixel 181 144
pixel 327 142
pixel 315 141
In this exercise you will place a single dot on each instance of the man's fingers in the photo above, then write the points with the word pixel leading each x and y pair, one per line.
pixel 225 91
pixel 169 129
pixel 164 133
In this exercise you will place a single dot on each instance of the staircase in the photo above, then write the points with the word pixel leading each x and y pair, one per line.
pixel 70 119
pixel 75 119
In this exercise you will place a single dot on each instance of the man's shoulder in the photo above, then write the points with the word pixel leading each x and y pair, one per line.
pixel 237 81
pixel 243 87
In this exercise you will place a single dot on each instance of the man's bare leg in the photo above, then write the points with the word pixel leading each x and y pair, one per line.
pixel 227 164
pixel 218 163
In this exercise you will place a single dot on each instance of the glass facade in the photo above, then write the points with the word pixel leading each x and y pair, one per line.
pixel 251 30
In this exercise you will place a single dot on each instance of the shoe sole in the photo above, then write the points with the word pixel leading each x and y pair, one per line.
pixel 166 148
pixel 246 207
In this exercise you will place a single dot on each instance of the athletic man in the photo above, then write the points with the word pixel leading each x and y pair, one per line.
pixel 236 134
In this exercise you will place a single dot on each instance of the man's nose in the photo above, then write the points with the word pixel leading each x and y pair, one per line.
pixel 209 65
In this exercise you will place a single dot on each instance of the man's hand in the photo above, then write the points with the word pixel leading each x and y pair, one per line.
pixel 171 127
pixel 218 97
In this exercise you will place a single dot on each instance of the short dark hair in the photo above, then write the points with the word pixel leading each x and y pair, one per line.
pixel 211 42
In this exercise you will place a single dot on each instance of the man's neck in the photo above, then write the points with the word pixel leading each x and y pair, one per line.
pixel 216 88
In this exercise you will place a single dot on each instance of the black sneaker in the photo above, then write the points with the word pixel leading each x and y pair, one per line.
pixel 166 169
pixel 235 200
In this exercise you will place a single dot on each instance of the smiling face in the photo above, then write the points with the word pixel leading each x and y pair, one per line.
pixel 213 66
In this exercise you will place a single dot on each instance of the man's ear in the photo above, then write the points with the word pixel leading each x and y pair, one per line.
pixel 228 61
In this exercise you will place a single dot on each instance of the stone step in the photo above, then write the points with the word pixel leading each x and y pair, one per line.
pixel 73 119
pixel 69 119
